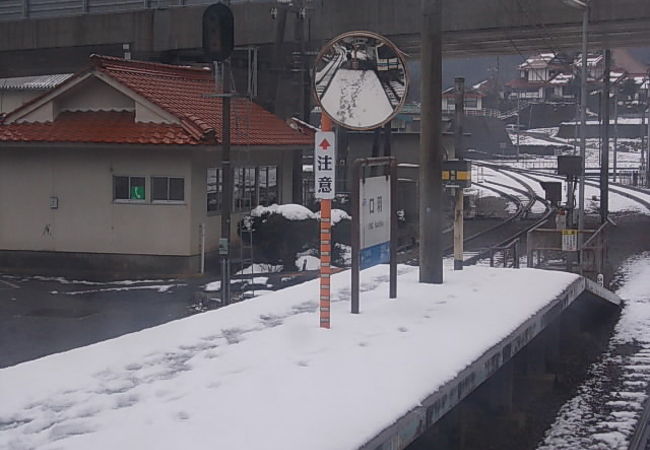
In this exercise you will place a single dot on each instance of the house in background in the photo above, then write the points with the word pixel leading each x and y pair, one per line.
pixel 117 170
pixel 535 76
pixel 15 92
pixel 473 101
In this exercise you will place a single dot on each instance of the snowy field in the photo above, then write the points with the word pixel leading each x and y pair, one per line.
pixel 603 414
pixel 261 375
pixel 617 202
pixel 545 136
pixel 515 187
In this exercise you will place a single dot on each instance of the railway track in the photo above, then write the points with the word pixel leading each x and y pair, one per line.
pixel 639 195
pixel 634 367
pixel 480 245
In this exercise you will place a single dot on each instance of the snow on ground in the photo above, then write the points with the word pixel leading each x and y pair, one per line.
pixel 499 177
pixel 62 280
pixel 259 268
pixel 603 414
pixel 617 202
pixel 510 208
pixel 156 287
pixel 357 98
pixel 535 139
pixel 260 374
pixel 482 192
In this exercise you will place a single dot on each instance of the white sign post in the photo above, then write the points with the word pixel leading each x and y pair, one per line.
pixel 325 165
pixel 375 221
pixel 570 240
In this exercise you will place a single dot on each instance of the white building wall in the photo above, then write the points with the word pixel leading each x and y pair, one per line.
pixel 13 99
pixel 87 219
pixel 94 95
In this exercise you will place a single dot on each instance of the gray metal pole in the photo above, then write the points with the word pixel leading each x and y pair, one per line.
pixel 518 121
pixel 430 176
pixel 459 115
pixel 226 168
pixel 647 153
pixel 583 129
pixel 616 134
pixel 604 160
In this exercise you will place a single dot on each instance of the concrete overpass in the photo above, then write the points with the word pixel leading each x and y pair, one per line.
pixel 62 43
pixel 471 27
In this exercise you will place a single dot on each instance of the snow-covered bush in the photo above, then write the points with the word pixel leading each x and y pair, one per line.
pixel 280 232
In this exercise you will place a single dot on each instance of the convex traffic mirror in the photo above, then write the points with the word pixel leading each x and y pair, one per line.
pixel 360 80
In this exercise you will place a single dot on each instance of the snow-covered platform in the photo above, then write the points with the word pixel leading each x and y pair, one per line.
pixel 262 375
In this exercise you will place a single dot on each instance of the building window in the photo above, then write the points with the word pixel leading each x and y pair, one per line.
pixel 268 185
pixel 129 188
pixel 471 102
pixel 244 188
pixel 215 189
pixel 252 186
pixel 167 189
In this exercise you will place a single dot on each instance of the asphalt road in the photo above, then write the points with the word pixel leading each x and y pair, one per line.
pixel 44 316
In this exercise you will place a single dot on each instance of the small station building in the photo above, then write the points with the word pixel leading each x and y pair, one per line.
pixel 116 171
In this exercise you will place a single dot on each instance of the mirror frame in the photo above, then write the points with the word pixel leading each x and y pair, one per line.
pixel 369 34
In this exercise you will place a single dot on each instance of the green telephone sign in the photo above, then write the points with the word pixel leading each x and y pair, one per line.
pixel 137 192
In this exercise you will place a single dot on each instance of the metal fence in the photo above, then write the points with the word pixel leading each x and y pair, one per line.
pixel 544 250
pixel 21 9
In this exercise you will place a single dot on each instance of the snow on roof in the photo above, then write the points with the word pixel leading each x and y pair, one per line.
pixel 616 75
pixel 39 82
pixel 451 91
pixel 621 121
pixel 562 79
pixel 261 374
pixel 592 60
pixel 480 84
pixel 539 61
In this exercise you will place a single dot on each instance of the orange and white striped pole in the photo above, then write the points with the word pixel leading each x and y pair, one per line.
pixel 325 260
pixel 325 246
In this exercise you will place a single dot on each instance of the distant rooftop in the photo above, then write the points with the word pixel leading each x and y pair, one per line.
pixel 39 82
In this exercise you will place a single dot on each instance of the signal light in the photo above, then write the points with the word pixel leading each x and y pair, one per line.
pixel 218 32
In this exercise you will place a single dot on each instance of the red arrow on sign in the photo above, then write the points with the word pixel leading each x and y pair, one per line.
pixel 325 144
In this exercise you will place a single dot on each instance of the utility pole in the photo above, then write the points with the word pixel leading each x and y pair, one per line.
pixel 647 160
pixel 459 115
pixel 643 141
pixel 616 134
pixel 604 160
pixel 299 32
pixel 583 131
pixel 518 121
pixel 226 167
pixel 430 176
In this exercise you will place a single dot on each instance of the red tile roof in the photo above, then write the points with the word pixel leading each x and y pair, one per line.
pixel 108 127
pixel 179 90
